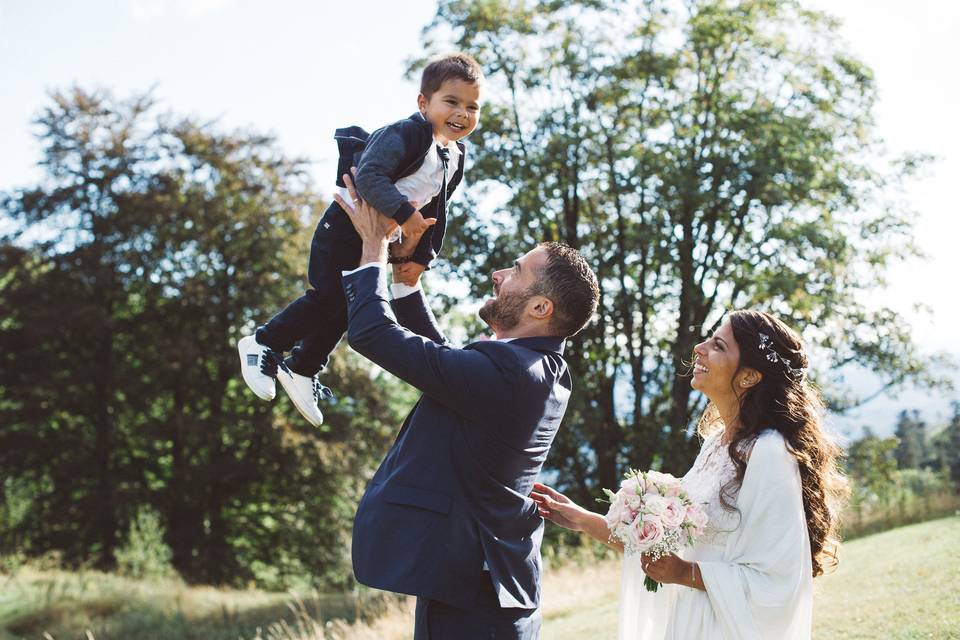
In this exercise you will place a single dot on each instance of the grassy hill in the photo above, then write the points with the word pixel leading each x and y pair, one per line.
pixel 900 584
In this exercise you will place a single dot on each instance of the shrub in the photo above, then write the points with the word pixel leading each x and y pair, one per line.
pixel 145 554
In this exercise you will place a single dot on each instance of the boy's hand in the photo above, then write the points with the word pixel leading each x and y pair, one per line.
pixel 416 225
pixel 408 241
pixel 407 273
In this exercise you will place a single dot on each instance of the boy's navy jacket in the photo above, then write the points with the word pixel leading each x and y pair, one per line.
pixel 453 492
pixel 388 154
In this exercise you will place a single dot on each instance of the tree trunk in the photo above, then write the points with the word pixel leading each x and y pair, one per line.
pixel 105 516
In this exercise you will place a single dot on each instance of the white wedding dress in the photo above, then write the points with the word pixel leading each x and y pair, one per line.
pixel 756 564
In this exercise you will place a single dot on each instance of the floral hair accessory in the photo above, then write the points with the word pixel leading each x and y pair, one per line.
pixel 770 353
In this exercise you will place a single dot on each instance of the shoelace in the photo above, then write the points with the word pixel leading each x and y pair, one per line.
pixel 321 392
pixel 270 362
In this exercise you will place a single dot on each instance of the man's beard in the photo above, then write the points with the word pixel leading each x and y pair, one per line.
pixel 504 312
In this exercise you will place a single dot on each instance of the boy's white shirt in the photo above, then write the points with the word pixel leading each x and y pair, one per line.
pixel 423 185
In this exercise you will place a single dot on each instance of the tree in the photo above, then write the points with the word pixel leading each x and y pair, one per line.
pixel 911 440
pixel 151 244
pixel 871 463
pixel 944 449
pixel 953 448
pixel 713 156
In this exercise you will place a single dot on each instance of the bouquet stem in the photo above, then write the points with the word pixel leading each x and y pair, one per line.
pixel 651 584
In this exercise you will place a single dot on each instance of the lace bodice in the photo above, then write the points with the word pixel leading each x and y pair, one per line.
pixel 710 471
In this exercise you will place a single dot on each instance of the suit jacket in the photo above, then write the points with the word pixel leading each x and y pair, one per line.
pixel 452 492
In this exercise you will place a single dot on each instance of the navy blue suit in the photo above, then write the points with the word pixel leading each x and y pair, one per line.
pixel 453 491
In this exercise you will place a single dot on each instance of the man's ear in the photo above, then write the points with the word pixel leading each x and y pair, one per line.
pixel 541 308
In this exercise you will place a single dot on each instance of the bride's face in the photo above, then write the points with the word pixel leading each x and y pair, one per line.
pixel 715 363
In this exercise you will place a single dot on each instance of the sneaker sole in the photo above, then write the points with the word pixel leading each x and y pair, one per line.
pixel 248 378
pixel 302 404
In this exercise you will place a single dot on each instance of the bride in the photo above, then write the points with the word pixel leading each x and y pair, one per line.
pixel 767 476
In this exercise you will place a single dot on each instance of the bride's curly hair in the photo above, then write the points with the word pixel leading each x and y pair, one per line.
pixel 786 401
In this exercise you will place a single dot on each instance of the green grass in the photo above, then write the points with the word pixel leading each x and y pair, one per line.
pixel 903 583
pixel 898 585
pixel 67 604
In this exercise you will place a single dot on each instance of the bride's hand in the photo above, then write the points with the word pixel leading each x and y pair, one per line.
pixel 669 569
pixel 558 508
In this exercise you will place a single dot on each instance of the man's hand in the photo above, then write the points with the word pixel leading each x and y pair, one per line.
pixel 407 273
pixel 372 227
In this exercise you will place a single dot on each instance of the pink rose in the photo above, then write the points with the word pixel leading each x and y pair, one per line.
pixel 674 514
pixel 655 504
pixel 645 532
pixel 618 513
pixel 663 484
pixel 673 490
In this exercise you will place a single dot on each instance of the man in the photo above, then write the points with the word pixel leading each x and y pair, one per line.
pixel 448 517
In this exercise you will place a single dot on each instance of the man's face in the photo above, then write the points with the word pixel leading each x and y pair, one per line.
pixel 453 109
pixel 512 290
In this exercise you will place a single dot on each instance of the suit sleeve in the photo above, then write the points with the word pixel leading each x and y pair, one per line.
pixel 413 313
pixel 469 381
pixel 381 159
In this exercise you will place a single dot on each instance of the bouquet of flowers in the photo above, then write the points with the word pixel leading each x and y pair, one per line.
pixel 653 515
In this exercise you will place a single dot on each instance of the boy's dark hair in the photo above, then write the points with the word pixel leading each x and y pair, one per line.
pixel 454 66
pixel 569 282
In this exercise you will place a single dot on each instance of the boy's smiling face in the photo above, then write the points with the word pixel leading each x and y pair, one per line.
pixel 453 109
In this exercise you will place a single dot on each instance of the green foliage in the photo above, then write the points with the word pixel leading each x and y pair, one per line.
pixel 149 247
pixel 714 156
pixel 885 495
pixel 144 554
pixel 944 450
pixel 872 465
pixel 911 440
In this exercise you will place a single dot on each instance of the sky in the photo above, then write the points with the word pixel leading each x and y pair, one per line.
pixel 301 68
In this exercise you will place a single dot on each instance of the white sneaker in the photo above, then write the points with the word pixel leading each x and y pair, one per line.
pixel 305 392
pixel 255 360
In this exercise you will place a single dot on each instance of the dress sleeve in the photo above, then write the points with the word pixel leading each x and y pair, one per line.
pixel 763 588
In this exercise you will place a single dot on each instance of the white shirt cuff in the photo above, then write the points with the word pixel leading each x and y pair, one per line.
pixel 363 266
pixel 400 290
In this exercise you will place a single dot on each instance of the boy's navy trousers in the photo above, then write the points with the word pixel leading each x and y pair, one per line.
pixel 312 325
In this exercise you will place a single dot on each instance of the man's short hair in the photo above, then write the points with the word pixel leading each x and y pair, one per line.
pixel 569 282
pixel 450 67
